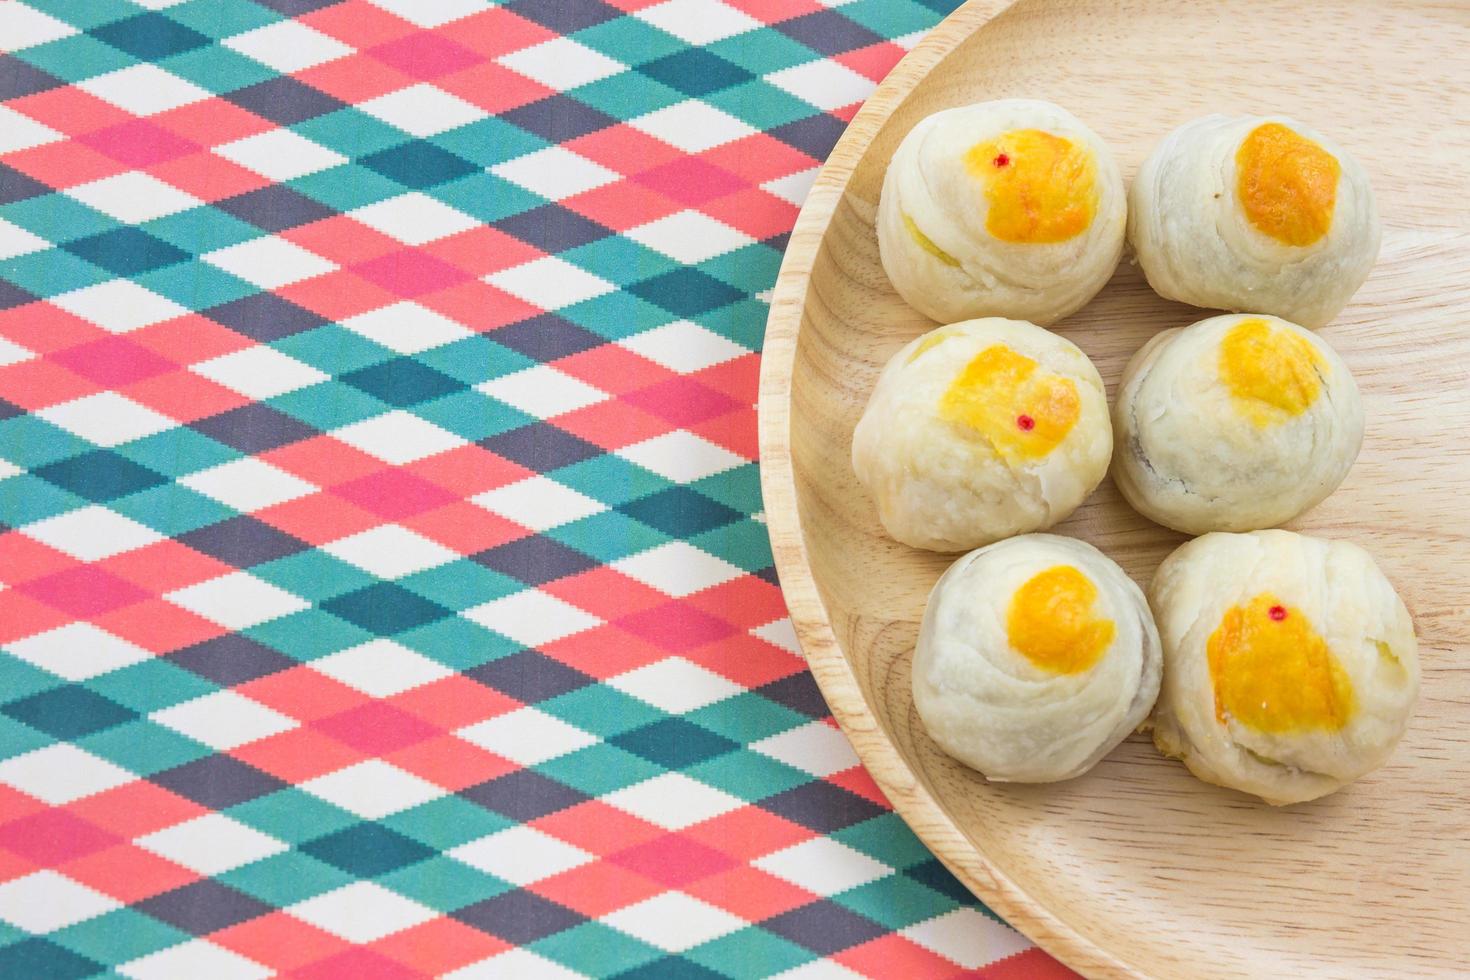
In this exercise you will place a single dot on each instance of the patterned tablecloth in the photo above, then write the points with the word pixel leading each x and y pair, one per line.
pixel 383 587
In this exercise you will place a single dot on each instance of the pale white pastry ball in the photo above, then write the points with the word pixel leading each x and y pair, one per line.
pixel 1254 213
pixel 981 430
pixel 1234 423
pixel 1011 208
pixel 1036 657
pixel 1290 664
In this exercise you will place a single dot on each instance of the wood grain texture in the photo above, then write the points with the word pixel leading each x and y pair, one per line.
pixel 1138 869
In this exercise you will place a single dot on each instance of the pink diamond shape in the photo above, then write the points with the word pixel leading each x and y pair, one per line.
pixel 113 362
pixel 682 401
pixel 377 728
pixel 84 591
pixel 677 626
pixel 394 494
pixel 54 837
pixel 425 55
pixel 673 860
pixel 138 143
pixel 410 273
pixel 690 181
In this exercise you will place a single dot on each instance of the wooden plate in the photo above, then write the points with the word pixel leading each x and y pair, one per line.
pixel 1138 869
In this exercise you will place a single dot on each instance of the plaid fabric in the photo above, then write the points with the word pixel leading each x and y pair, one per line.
pixel 383 588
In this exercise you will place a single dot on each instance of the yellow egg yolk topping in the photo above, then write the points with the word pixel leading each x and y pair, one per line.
pixel 927 243
pixel 1272 672
pixel 1287 184
pixel 1041 188
pixel 1052 621
pixel 1272 374
pixel 1024 413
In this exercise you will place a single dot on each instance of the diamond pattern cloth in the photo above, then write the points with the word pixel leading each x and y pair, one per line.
pixel 383 585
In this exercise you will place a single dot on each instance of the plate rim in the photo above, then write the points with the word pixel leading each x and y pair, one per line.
pixel 824 655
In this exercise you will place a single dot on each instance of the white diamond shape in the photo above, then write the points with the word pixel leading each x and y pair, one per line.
pixel 381 668
pixel 61 773
pixel 680 456
pixel 521 855
pixel 45 901
pixel 531 618
pixel 675 685
pixel 92 533
pixel 673 801
pixel 820 970
pixel 815 748
pixel 361 912
pixel 526 736
pixel 269 262
pixel 554 173
pixel 414 218
pixel 196 958
pixel 224 719
pixel 677 568
pixel 372 789
pixel 968 937
pixel 825 84
pixel 823 865
pixel 398 437
pixel 143 89
pixel 390 551
pixel 674 921
pixel 211 844
pixel 287 46
pixel 561 64
pixel 406 328
pixel 550 283
pixel 514 964
pixel 689 237
pixel 793 188
pixel 237 600
pixel 423 110
pixel 539 503
pixel 542 391
pixel 24 27
pixel 77 651
pixel 20 132
pixel 433 13
pixel 697 21
pixel 15 240
pixel 779 632
pixel 118 305
pixel 260 372
pixel 247 484
pixel 13 353
pixel 133 197
pixel 106 418
pixel 280 154
pixel 692 126
pixel 683 346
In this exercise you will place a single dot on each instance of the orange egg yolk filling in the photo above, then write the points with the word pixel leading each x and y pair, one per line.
pixel 1041 188
pixel 1287 184
pixel 1053 622
pixel 1272 374
pixel 1022 411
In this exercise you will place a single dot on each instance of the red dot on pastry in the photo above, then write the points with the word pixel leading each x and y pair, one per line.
pixel 1277 613
pixel 1001 160
pixel 1025 423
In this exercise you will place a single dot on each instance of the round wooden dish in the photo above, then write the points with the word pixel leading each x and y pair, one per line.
pixel 1137 869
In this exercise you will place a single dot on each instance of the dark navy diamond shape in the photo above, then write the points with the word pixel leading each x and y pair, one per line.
pixel 264 316
pixel 36 957
pixel 558 118
pixel 937 876
pixel 126 251
pixel 293 8
pixel 12 295
pixel 523 795
pixel 815 135
pixel 100 475
pixel 822 807
pixel 674 743
pixel 519 917
pixel 696 72
pixel 385 609
pixel 243 541
pixel 828 32
pixel 547 337
pixel 274 208
pixel 9 411
pixel 218 781
pixel 253 428
pixel 680 512
pixel 777 243
pixel 799 692
pixel 403 381
pixel 284 100
pixel 68 712
pixel 541 447
pixel 552 228
pixel 686 292
pixel 530 677
pixel 367 850
pixel 19 78
pixel 564 16
pixel 150 36
pixel 419 164
pixel 203 907
pixel 535 560
pixel 16 186
pixel 768 574
pixel 231 659
pixel 669 968
pixel 824 927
